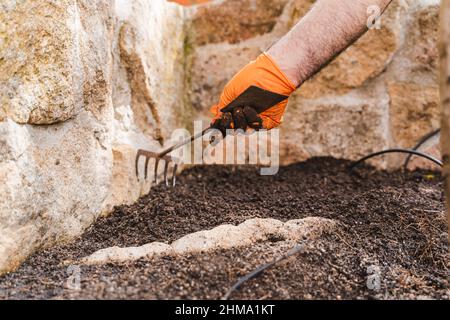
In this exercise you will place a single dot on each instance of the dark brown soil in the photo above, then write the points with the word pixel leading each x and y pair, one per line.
pixel 394 221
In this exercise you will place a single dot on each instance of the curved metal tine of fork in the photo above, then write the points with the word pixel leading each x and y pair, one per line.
pixel 174 175
pixel 147 159
pixel 156 171
pixel 166 169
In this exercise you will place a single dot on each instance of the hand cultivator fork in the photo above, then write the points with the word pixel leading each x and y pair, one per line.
pixel 164 156
pixel 258 99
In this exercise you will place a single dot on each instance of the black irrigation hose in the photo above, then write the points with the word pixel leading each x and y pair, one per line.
pixel 297 249
pixel 419 144
pixel 397 150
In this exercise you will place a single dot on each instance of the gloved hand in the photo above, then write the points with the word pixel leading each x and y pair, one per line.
pixel 256 97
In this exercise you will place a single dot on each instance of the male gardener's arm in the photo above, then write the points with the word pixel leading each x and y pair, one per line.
pixel 257 96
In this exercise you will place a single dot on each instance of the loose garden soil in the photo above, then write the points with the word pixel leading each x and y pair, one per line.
pixel 392 226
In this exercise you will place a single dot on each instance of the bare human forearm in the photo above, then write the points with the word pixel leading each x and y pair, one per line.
pixel 328 29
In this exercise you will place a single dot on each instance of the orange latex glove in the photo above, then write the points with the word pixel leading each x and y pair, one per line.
pixel 256 97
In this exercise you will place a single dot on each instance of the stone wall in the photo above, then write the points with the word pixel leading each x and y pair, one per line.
pixel 83 83
pixel 382 92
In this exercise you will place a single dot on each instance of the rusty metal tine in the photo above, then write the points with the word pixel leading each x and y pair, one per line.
pixel 137 165
pixel 156 170
pixel 166 169
pixel 174 175
pixel 146 167
pixel 163 156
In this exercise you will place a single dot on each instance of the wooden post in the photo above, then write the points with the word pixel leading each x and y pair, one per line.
pixel 444 52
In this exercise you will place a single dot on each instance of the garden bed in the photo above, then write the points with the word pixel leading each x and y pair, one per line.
pixel 391 222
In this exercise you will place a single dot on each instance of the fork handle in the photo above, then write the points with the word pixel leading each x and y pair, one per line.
pixel 183 143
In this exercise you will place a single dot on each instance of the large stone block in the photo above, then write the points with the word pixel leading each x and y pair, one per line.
pixel 151 59
pixel 431 147
pixel 125 188
pixel 214 65
pixel 51 65
pixel 234 21
pixel 364 61
pixel 55 71
pixel 345 127
pixel 413 112
pixel 95 51
pixel 422 38
pixel 40 62
pixel 53 183
pixel 68 133
pixel 416 59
